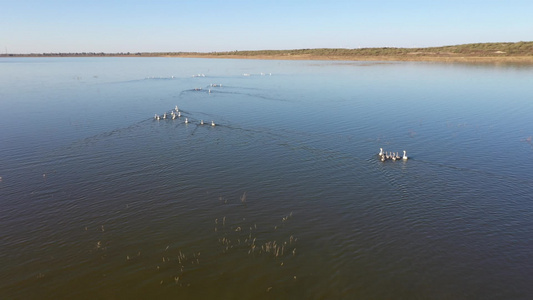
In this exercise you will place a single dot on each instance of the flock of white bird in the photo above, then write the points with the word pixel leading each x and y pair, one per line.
pixel 383 156
pixel 175 114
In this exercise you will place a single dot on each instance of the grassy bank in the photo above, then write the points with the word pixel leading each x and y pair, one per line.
pixel 521 52
pixel 484 52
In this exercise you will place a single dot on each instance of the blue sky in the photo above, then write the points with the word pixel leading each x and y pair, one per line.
pixel 29 26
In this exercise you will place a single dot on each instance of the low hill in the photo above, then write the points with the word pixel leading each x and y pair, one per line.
pixel 480 49
pixel 489 52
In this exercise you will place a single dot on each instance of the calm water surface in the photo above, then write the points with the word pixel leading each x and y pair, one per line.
pixel 284 198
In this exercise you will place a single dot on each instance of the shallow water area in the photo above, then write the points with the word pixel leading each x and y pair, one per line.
pixel 285 197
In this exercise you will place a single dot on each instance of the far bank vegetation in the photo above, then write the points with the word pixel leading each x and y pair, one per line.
pixel 486 51
pixel 480 49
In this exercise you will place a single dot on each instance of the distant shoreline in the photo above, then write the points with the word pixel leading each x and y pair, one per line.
pixel 515 53
pixel 425 58
pixel 464 59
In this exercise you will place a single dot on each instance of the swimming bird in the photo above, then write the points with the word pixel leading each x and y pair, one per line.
pixel 186 121
pixel 164 115
pixel 201 122
pixel 156 117
pixel 380 152
pixel 212 123
pixel 404 155
pixel 176 108
pixel 179 114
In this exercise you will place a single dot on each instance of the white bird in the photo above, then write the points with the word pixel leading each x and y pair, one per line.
pixel 176 108
pixel 212 123
pixel 201 122
pixel 156 117
pixel 179 114
pixel 164 115
pixel 380 152
pixel 186 121
pixel 404 155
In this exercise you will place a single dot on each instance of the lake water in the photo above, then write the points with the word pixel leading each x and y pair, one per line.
pixel 285 198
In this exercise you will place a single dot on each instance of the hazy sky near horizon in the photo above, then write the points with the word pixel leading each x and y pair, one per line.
pixel 37 26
